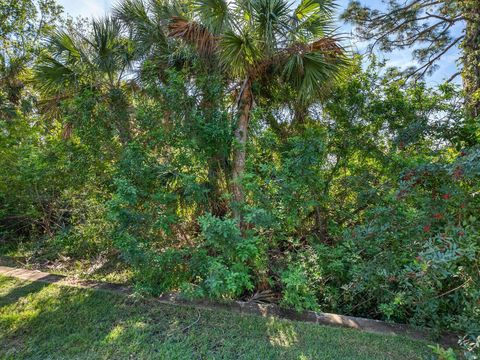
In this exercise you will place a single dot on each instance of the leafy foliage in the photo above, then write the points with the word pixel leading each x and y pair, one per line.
pixel 360 198
pixel 431 29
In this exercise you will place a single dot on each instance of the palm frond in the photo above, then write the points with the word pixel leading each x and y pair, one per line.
pixel 214 14
pixel 194 34
pixel 271 21
pixel 167 9
pixel 70 59
pixel 52 76
pixel 112 53
pixel 310 67
pixel 131 12
pixel 311 20
pixel 62 45
pixel 307 8
pixel 328 46
pixel 147 32
pixel 238 52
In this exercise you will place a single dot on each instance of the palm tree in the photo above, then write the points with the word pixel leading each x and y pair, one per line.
pixel 250 42
pixel 11 85
pixel 157 53
pixel 264 40
pixel 100 60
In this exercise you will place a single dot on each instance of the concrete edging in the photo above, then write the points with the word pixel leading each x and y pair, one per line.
pixel 368 325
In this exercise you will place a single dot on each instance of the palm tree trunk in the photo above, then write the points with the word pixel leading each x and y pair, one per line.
pixel 471 56
pixel 119 110
pixel 300 115
pixel 244 107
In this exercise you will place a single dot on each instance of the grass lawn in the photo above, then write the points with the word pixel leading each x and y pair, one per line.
pixel 39 321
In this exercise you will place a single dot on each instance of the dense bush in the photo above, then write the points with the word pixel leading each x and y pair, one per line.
pixel 362 199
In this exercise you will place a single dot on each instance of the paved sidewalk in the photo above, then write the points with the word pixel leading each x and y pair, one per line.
pixel 36 275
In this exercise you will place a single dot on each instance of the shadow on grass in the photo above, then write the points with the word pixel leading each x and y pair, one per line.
pixel 19 292
pixel 59 322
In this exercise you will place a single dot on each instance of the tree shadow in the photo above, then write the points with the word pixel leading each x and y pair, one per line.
pixel 19 292
pixel 79 323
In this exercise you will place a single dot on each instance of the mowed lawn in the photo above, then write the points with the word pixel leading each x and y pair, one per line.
pixel 39 321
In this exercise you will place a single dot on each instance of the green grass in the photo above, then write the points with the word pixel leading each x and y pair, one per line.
pixel 39 321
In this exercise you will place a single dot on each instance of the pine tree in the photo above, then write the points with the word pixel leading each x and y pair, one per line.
pixel 426 25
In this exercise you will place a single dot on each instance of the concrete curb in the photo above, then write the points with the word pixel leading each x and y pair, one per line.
pixel 368 325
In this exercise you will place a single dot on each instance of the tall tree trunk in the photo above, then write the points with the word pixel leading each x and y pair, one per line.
pixel 210 104
pixel 321 224
pixel 244 107
pixel 121 118
pixel 471 56
pixel 216 202
pixel 300 115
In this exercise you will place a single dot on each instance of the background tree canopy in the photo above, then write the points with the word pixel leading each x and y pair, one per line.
pixel 237 149
pixel 433 28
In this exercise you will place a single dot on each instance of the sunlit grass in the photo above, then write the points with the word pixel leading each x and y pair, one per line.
pixel 39 321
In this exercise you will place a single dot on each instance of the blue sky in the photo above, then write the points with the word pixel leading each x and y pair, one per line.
pixel 402 59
